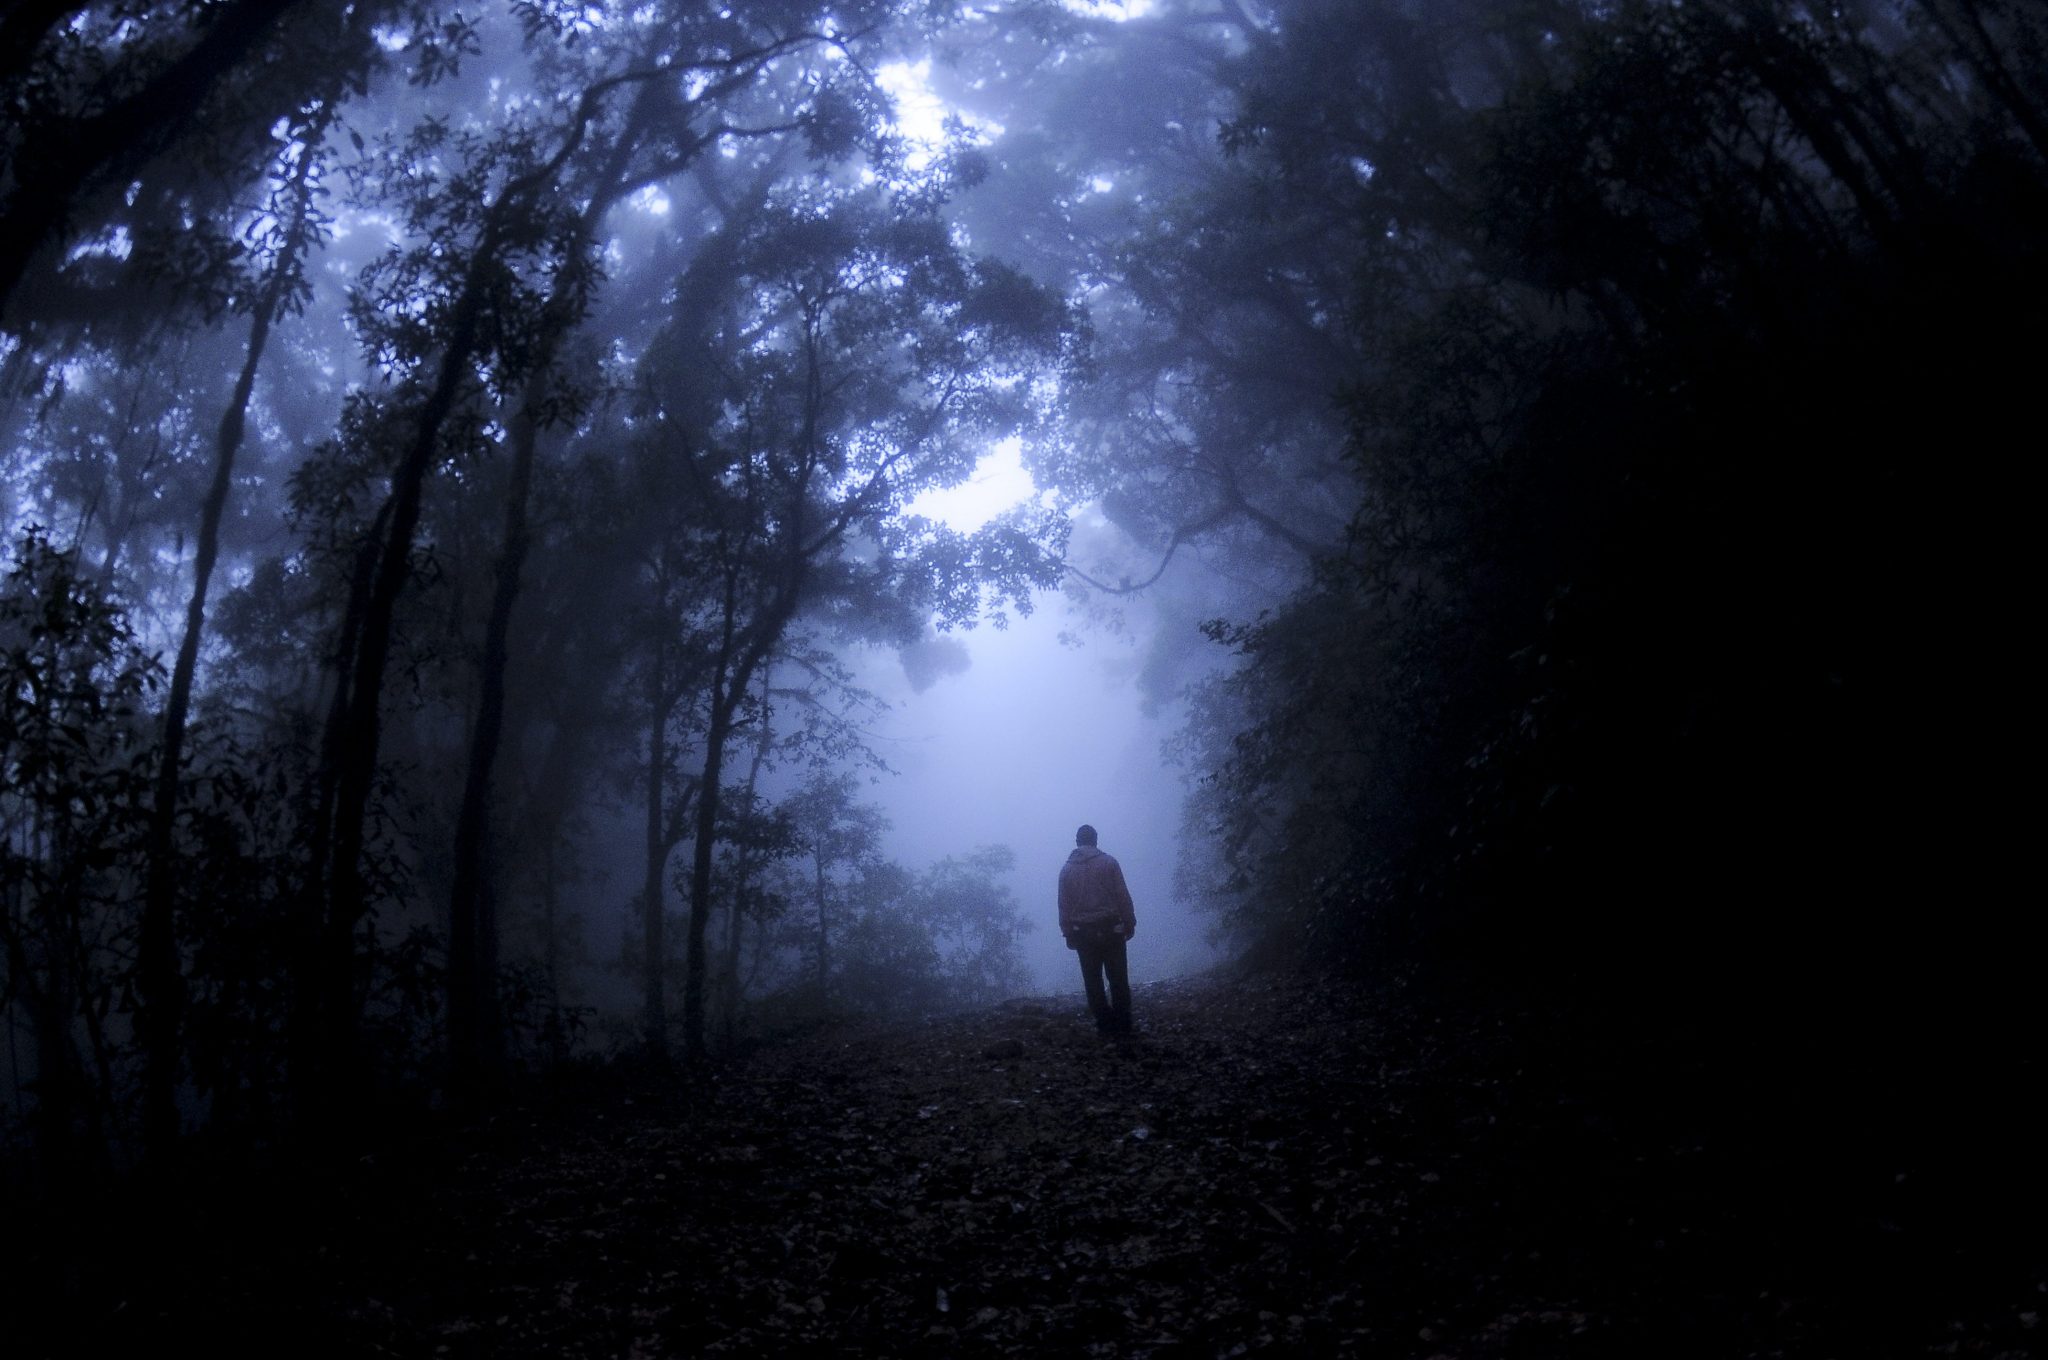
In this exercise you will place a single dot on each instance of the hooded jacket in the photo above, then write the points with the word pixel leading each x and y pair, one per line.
pixel 1092 892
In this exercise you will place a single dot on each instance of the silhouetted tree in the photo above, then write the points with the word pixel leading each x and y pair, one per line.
pixel 75 752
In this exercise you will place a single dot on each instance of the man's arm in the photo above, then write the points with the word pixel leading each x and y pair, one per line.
pixel 1127 915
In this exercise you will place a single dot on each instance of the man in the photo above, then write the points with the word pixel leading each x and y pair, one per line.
pixel 1096 917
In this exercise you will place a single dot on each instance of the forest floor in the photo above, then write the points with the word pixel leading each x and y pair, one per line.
pixel 1271 1164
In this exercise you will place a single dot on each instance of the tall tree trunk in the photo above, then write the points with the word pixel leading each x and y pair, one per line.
pixel 475 1028
pixel 824 927
pixel 362 722
pixel 308 1027
pixel 361 726
pixel 740 654
pixel 743 877
pixel 551 949
pixel 158 976
pixel 653 918
pixel 718 731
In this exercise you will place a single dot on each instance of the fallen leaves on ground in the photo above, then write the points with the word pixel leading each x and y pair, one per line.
pixel 1273 1165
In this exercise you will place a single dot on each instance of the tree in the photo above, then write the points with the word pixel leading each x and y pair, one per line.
pixel 890 961
pixel 975 921
pixel 511 218
pixel 75 754
pixel 859 357
pixel 842 838
pixel 758 835
pixel 1628 283
pixel 297 226
pixel 144 124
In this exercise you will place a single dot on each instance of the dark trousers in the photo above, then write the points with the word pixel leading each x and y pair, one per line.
pixel 1102 954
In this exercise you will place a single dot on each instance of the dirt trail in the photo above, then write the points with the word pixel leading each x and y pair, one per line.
pixel 1275 1165
pixel 984 1183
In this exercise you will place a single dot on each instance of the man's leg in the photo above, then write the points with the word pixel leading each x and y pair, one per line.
pixel 1092 961
pixel 1119 985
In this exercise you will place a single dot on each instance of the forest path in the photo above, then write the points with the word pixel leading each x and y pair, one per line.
pixel 1272 1164
pixel 985 1183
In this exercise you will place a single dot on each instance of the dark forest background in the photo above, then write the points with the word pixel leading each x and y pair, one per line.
pixel 431 436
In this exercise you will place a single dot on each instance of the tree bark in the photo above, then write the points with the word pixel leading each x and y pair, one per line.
pixel 653 922
pixel 158 975
pixel 362 717
pixel 719 730
pixel 551 949
pixel 360 723
pixel 475 1028
pixel 308 1027
pixel 725 690
pixel 824 924
pixel 743 878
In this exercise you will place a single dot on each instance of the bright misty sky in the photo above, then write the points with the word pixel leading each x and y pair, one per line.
pixel 1037 736
pixel 1033 739
pixel 999 482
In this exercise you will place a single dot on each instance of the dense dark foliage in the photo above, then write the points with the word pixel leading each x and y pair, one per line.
pixel 1674 616
pixel 1675 626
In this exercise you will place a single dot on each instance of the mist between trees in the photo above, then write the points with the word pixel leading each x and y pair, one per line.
pixel 459 467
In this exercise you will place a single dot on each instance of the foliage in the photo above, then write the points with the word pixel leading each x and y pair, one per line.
pixel 939 941
pixel 1658 309
pixel 75 761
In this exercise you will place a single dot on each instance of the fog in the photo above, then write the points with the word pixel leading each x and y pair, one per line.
pixel 1042 732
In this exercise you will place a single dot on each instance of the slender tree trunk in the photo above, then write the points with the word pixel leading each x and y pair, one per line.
pixel 653 917
pixel 362 725
pixel 821 901
pixel 551 949
pixel 475 1029
pixel 308 1026
pixel 743 877
pixel 740 653
pixel 158 976
pixel 729 967
pixel 719 730
pixel 46 1000
pixel 362 721
pixel 729 679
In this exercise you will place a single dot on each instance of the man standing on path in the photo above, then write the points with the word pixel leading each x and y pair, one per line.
pixel 1096 917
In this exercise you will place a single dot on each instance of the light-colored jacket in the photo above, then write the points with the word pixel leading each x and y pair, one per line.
pixel 1092 892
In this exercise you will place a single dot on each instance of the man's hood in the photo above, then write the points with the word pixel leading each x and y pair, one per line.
pixel 1084 852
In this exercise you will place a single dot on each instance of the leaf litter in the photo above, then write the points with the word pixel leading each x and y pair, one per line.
pixel 1270 1165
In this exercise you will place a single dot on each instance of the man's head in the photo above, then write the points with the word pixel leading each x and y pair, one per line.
pixel 1085 836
